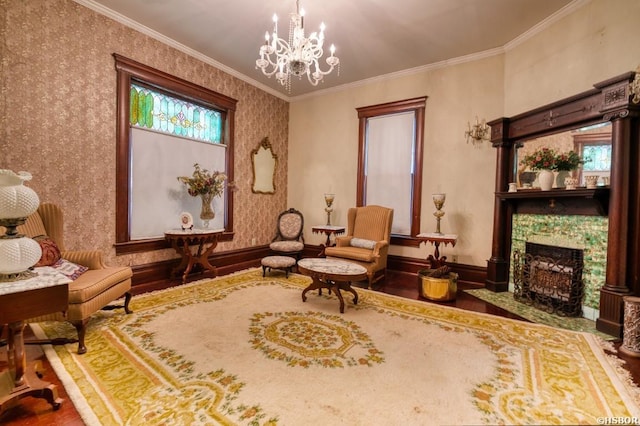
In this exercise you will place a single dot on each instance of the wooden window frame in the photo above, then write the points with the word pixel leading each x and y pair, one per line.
pixel 129 70
pixel 417 106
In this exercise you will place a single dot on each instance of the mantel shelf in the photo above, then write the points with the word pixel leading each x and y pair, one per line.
pixel 580 201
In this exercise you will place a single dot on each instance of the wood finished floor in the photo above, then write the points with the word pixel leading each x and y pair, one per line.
pixel 34 411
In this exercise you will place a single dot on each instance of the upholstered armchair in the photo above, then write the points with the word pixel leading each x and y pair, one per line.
pixel 289 240
pixel 93 289
pixel 367 240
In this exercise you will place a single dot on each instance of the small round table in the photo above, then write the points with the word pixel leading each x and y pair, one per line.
pixel 332 274
pixel 436 239
pixel 181 240
pixel 329 230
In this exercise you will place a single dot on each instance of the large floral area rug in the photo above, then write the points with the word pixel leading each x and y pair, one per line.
pixel 243 349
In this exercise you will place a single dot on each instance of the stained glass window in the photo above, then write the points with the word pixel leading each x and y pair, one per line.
pixel 154 110
pixel 598 158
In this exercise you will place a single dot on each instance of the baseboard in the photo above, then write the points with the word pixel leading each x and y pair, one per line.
pixel 236 260
pixel 225 262
pixel 469 274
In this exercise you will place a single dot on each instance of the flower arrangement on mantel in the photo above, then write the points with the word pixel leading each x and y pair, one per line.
pixel 541 159
pixel 549 159
pixel 203 182
pixel 568 161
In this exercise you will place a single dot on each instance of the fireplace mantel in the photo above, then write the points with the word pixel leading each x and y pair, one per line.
pixel 581 201
pixel 613 101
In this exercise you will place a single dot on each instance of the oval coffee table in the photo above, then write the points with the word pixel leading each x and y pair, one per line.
pixel 332 274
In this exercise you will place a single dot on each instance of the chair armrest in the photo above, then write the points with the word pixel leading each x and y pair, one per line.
pixel 343 241
pixel 92 259
pixel 381 248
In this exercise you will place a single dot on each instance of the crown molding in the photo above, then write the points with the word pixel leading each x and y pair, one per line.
pixel 178 46
pixel 533 31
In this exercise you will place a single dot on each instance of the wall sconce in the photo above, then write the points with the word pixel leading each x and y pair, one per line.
pixel 478 132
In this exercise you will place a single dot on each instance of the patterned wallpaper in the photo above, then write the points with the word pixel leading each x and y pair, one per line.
pixel 58 104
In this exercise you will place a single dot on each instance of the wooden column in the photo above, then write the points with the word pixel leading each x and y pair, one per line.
pixel 611 294
pixel 498 266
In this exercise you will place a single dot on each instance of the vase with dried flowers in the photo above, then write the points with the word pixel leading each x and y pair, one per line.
pixel 207 185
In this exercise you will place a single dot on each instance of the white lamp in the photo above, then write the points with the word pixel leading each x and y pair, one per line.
pixel 17 252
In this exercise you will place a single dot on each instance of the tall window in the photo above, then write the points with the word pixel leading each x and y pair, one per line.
pixel 164 126
pixel 390 163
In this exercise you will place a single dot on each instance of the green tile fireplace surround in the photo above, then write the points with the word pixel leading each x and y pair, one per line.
pixel 589 233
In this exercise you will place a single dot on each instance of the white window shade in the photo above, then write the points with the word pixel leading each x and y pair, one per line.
pixel 389 166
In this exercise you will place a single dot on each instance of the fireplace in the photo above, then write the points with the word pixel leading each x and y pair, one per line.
pixel 549 278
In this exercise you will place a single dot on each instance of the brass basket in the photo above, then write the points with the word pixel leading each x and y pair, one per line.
pixel 440 289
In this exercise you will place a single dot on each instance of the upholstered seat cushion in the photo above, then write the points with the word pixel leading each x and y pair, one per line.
pixel 349 252
pixel 278 262
pixel 95 281
pixel 286 246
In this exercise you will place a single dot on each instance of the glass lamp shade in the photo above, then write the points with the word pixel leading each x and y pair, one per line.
pixel 16 200
pixel 18 254
pixel 439 198
pixel 328 198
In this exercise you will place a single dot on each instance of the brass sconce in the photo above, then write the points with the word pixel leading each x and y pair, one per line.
pixel 478 132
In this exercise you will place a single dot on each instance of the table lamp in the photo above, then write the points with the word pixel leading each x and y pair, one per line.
pixel 438 200
pixel 18 253
pixel 328 198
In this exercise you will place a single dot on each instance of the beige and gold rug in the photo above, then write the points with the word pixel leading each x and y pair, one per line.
pixel 245 350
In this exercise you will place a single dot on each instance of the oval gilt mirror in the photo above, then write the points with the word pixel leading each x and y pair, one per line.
pixel 264 168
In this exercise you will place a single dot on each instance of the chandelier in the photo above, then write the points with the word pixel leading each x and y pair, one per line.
pixel 298 56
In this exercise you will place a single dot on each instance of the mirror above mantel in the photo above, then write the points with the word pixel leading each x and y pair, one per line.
pixel 592 143
pixel 264 163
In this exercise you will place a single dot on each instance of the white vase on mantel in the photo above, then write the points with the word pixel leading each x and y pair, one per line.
pixel 546 179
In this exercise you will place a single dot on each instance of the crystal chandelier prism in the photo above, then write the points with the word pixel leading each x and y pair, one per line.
pixel 297 56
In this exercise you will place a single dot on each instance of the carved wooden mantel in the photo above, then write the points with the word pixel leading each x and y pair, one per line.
pixel 578 202
pixel 610 100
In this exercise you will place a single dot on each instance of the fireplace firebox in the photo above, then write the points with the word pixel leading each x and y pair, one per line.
pixel 549 278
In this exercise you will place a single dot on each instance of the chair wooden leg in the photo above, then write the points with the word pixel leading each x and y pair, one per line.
pixel 127 299
pixel 81 328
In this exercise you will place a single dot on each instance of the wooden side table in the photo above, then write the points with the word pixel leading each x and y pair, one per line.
pixel 46 293
pixel 205 241
pixel 329 230
pixel 437 239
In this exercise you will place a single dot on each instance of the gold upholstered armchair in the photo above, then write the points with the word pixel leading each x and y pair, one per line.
pixel 91 290
pixel 367 240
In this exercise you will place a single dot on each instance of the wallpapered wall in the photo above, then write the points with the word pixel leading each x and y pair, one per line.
pixel 58 119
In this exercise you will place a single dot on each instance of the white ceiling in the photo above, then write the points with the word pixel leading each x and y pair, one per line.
pixel 373 37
